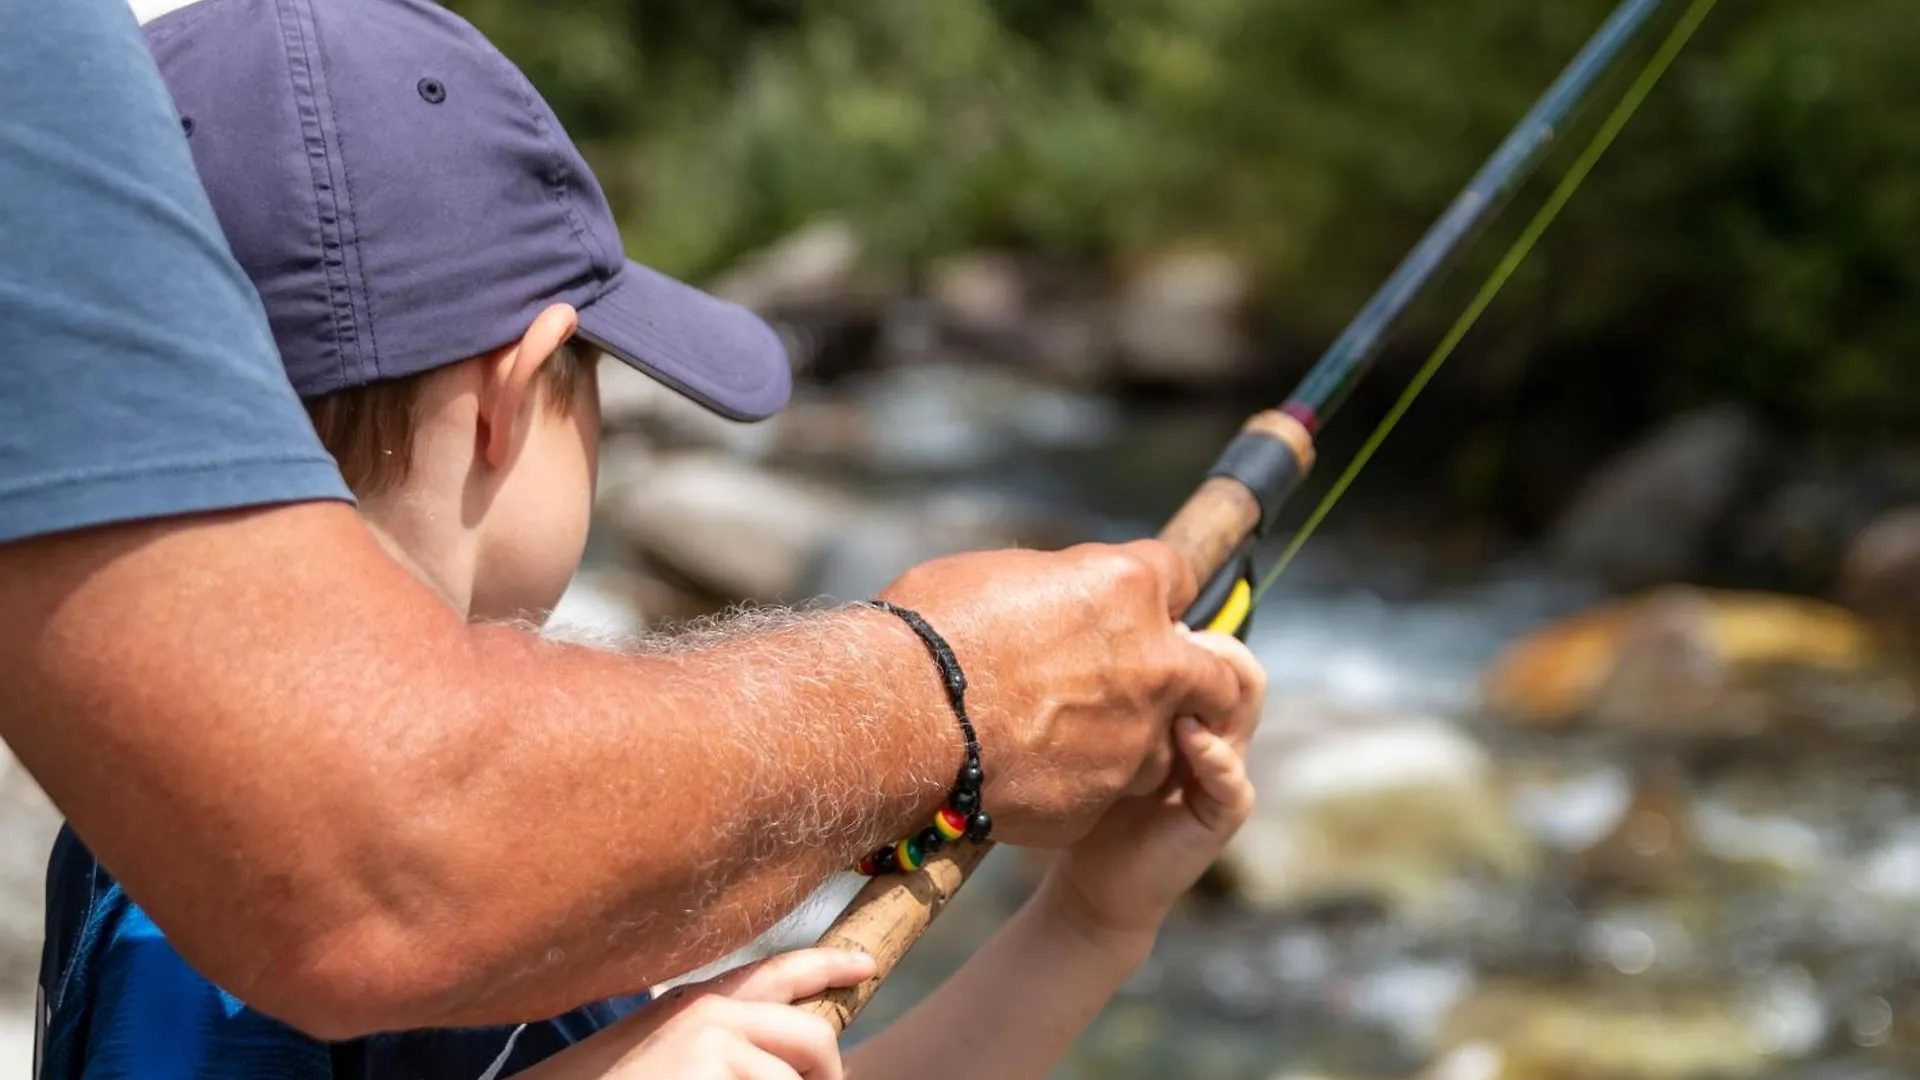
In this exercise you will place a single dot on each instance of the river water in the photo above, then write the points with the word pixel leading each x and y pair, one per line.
pixel 1775 942
pixel 1791 956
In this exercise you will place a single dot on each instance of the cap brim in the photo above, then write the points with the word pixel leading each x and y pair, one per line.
pixel 719 354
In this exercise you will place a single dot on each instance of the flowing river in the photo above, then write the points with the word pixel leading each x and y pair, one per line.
pixel 1528 904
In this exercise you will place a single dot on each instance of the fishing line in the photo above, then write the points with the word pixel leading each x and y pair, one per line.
pixel 1642 87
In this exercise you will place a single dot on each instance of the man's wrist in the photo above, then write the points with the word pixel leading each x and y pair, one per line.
pixel 923 735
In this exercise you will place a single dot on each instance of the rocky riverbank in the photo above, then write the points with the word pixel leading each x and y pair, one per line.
pixel 1606 784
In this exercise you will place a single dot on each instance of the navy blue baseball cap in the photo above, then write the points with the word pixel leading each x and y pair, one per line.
pixel 403 198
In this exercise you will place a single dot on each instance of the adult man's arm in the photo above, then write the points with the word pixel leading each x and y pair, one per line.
pixel 337 800
pixel 356 812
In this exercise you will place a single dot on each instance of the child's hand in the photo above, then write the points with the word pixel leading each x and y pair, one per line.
pixel 738 1026
pixel 1125 876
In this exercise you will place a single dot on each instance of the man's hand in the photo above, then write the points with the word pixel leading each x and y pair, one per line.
pixel 308 770
pixel 1119 883
pixel 1076 667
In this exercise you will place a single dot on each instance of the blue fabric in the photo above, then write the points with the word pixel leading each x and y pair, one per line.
pixel 119 1002
pixel 138 377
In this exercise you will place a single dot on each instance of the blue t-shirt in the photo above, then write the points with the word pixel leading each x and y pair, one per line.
pixel 121 1003
pixel 138 379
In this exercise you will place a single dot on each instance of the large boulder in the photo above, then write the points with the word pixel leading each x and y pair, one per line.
pixel 1650 516
pixel 1680 659
pixel 1515 1031
pixel 1389 809
pixel 815 267
pixel 1880 576
pixel 730 529
pixel 1180 320
pixel 1049 319
pixel 725 526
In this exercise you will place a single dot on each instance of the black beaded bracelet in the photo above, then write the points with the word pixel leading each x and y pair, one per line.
pixel 962 816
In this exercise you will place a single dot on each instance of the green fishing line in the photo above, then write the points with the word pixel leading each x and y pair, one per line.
pixel 1642 87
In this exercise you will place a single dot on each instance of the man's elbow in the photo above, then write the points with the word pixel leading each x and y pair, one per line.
pixel 356 981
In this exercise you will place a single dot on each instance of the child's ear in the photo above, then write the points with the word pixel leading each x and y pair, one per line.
pixel 507 397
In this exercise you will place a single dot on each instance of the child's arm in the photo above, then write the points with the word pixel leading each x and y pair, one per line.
pixel 1021 1001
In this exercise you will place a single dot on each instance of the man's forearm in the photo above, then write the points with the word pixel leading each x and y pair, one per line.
pixel 756 761
pixel 435 824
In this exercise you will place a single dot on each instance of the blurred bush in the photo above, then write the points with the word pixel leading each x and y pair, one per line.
pixel 1753 233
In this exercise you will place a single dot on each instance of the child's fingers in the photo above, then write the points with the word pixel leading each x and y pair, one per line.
pixel 789 977
pixel 752 1063
pixel 1253 683
pixel 1226 795
pixel 779 1034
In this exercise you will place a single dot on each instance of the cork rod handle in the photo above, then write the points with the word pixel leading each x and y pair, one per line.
pixel 890 913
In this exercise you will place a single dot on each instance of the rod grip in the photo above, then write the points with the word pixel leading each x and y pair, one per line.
pixel 890 913
pixel 885 919
pixel 1236 502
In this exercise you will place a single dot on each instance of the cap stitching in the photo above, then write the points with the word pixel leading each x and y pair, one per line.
pixel 369 356
pixel 581 234
pixel 313 140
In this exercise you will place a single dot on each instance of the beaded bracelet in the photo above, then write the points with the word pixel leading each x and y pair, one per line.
pixel 962 815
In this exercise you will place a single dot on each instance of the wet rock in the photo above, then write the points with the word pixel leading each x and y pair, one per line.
pixel 725 526
pixel 820 295
pixel 980 292
pixel 1649 517
pixel 1180 320
pixel 1677 659
pixel 1651 848
pixel 1528 1032
pixel 1048 320
pixel 1387 808
pixel 1880 575
pixel 813 268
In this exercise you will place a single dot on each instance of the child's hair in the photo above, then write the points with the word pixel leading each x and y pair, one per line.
pixel 369 428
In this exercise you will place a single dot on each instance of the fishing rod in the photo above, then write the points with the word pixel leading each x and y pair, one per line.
pixel 1218 528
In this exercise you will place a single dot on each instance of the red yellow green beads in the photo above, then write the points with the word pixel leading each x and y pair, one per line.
pixel 951 824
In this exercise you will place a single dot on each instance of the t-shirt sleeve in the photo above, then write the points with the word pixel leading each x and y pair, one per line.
pixel 138 377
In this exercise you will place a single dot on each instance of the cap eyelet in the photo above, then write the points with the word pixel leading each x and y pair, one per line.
pixel 432 91
pixel 186 126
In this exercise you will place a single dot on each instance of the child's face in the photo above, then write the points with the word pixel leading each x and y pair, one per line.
pixel 536 527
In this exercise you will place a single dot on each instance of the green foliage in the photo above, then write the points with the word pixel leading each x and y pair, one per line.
pixel 1754 232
